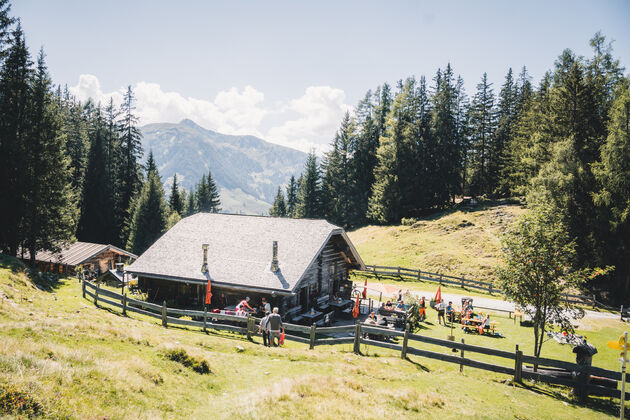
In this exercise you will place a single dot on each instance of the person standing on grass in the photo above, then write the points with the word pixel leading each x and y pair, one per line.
pixel 400 296
pixel 263 328
pixel 423 309
pixel 441 307
pixel 274 324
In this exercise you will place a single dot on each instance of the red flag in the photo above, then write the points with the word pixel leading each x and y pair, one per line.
pixel 438 295
pixel 365 289
pixel 355 310
pixel 208 294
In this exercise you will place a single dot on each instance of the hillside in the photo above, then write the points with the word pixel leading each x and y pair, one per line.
pixel 247 169
pixel 61 357
pixel 456 242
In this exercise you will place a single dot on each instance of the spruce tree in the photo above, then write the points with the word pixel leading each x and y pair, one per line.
pixel 506 113
pixel 97 222
pixel 292 190
pixel 214 204
pixel 482 130
pixel 15 96
pixel 5 23
pixel 130 177
pixel 191 203
pixel 175 201
pixel 338 185
pixel 150 166
pixel 278 209
pixel 49 212
pixel 309 189
pixel 148 221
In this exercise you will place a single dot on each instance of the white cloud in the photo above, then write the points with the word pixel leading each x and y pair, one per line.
pixel 308 122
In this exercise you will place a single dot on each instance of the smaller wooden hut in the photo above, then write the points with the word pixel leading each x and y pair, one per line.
pixel 89 257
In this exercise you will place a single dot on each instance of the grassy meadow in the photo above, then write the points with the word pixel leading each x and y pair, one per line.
pixel 456 242
pixel 61 357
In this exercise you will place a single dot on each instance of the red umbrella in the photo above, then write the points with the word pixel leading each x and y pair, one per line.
pixel 208 294
pixel 365 289
pixel 438 295
pixel 355 310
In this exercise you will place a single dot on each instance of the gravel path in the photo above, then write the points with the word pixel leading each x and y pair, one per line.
pixel 483 302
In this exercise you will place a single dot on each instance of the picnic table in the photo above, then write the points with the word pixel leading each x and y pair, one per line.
pixel 312 316
pixel 474 324
pixel 340 304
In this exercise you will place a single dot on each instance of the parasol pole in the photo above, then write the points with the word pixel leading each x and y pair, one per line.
pixel 623 375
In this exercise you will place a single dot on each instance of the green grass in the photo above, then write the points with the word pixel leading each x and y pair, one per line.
pixel 73 360
pixel 456 242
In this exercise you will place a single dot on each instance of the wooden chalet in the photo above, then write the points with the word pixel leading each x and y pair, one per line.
pixel 294 263
pixel 89 257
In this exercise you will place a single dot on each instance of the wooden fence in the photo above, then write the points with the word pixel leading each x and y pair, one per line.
pixel 365 334
pixel 463 282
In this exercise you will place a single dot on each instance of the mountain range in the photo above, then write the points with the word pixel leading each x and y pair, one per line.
pixel 247 169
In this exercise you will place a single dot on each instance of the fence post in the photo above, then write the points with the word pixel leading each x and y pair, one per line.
pixel 83 291
pixel 620 311
pixel 164 321
pixel 249 327
pixel 461 354
pixel 594 302
pixel 205 315
pixel 380 298
pixel 463 279
pixel 419 274
pixel 440 279
pixel 124 304
pixel 403 354
pixel 518 365
pixel 98 286
pixel 490 288
pixel 312 343
pixel 398 271
pixel 357 338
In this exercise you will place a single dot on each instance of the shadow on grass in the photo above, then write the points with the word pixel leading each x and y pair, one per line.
pixel 419 366
pixel 600 404
pixel 47 282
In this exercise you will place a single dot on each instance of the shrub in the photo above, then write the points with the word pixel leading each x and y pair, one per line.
pixel 408 221
pixel 181 356
pixel 14 400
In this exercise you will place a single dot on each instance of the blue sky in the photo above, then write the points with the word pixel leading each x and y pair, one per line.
pixel 286 71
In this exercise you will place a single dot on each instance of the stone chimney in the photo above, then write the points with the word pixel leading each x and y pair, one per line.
pixel 204 267
pixel 274 258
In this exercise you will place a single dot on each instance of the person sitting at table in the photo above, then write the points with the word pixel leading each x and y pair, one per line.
pixel 243 305
pixel 372 318
pixel 389 305
pixel 400 306
pixel 485 324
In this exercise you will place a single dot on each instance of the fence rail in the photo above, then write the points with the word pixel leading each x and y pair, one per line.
pixel 463 282
pixel 369 335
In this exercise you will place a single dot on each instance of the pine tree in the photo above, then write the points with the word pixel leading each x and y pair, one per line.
pixel 338 185
pixel 5 23
pixel 130 177
pixel 292 199
pixel 309 189
pixel 150 165
pixel 97 222
pixel 149 217
pixel 613 176
pixel 214 203
pixel 191 203
pixel 49 214
pixel 482 130
pixel 175 202
pixel 278 209
pixel 15 95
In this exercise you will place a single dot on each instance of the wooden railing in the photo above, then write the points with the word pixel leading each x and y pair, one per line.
pixel 364 334
pixel 463 282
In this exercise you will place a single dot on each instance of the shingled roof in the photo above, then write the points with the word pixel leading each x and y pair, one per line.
pixel 77 253
pixel 240 250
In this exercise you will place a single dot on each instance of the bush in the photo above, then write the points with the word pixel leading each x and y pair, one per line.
pixel 14 400
pixel 408 221
pixel 181 356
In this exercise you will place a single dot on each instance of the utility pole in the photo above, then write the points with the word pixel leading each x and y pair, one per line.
pixel 623 374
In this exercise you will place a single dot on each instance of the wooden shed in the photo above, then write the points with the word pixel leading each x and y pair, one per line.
pixel 312 261
pixel 91 257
